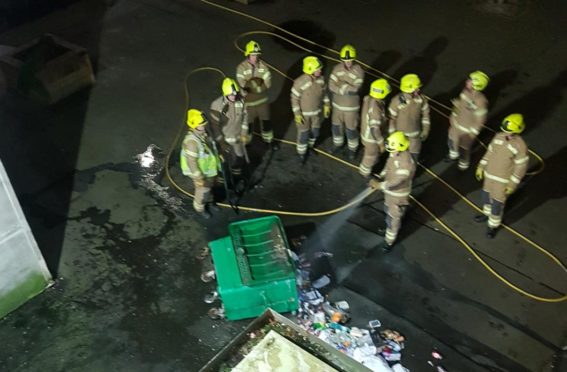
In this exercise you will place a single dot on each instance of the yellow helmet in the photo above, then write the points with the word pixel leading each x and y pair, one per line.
pixel 311 64
pixel 410 83
pixel 397 141
pixel 379 89
pixel 348 53
pixel 513 123
pixel 195 118
pixel 252 48
pixel 229 86
pixel 479 80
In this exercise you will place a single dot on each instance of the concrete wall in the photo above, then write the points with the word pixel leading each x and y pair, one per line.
pixel 23 273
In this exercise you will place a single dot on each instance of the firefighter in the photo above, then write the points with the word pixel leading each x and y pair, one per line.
pixel 345 82
pixel 502 167
pixel 372 120
pixel 395 181
pixel 230 124
pixel 467 119
pixel 409 113
pixel 308 96
pixel 200 162
pixel 255 79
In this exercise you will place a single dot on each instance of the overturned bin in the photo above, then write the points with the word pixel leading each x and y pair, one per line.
pixel 47 69
pixel 254 269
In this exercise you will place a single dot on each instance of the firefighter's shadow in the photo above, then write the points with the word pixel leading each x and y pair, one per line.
pixel 383 63
pixel 536 106
pixel 540 189
pixel 424 64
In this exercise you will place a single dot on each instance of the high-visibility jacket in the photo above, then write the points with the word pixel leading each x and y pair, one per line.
pixel 230 118
pixel 398 174
pixel 506 159
pixel 469 112
pixel 196 158
pixel 345 83
pixel 372 118
pixel 409 114
pixel 256 80
pixel 307 95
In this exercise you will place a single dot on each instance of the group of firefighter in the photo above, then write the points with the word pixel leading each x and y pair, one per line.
pixel 398 128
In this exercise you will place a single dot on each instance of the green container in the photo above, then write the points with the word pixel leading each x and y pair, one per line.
pixel 254 270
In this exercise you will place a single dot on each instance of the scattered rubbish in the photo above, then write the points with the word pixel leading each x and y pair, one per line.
pixel 205 252
pixel 399 368
pixel 298 242
pixel 380 352
pixel 436 355
pixel 216 313
pixel 211 297
pixel 391 351
pixel 342 305
pixel 374 324
pixel 208 276
pixel 323 254
pixel 321 282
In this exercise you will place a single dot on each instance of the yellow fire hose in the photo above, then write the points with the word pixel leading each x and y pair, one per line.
pixel 367 193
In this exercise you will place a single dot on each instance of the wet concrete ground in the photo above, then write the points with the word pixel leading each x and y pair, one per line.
pixel 123 243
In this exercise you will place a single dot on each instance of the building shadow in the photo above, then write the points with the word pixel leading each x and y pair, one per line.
pixel 39 145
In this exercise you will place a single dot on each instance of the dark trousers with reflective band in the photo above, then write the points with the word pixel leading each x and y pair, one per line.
pixel 460 145
pixel 307 133
pixel 493 200
pixel 369 158
pixel 395 208
pixel 261 113
pixel 348 119
pixel 236 157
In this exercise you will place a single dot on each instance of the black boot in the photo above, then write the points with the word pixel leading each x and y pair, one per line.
pixel 213 207
pixel 336 149
pixel 302 158
pixel 351 155
pixel 205 214
pixel 490 233
pixel 480 218
pixel 275 145
pixel 448 159
pixel 386 248
pixel 381 231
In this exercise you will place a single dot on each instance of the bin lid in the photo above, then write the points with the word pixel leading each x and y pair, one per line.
pixel 261 250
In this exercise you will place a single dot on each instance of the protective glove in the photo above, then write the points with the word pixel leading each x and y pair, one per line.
pixel 298 119
pixel 245 138
pixel 423 135
pixel 479 174
pixel 375 184
pixel 199 181
pixel 509 190
pixel 326 111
